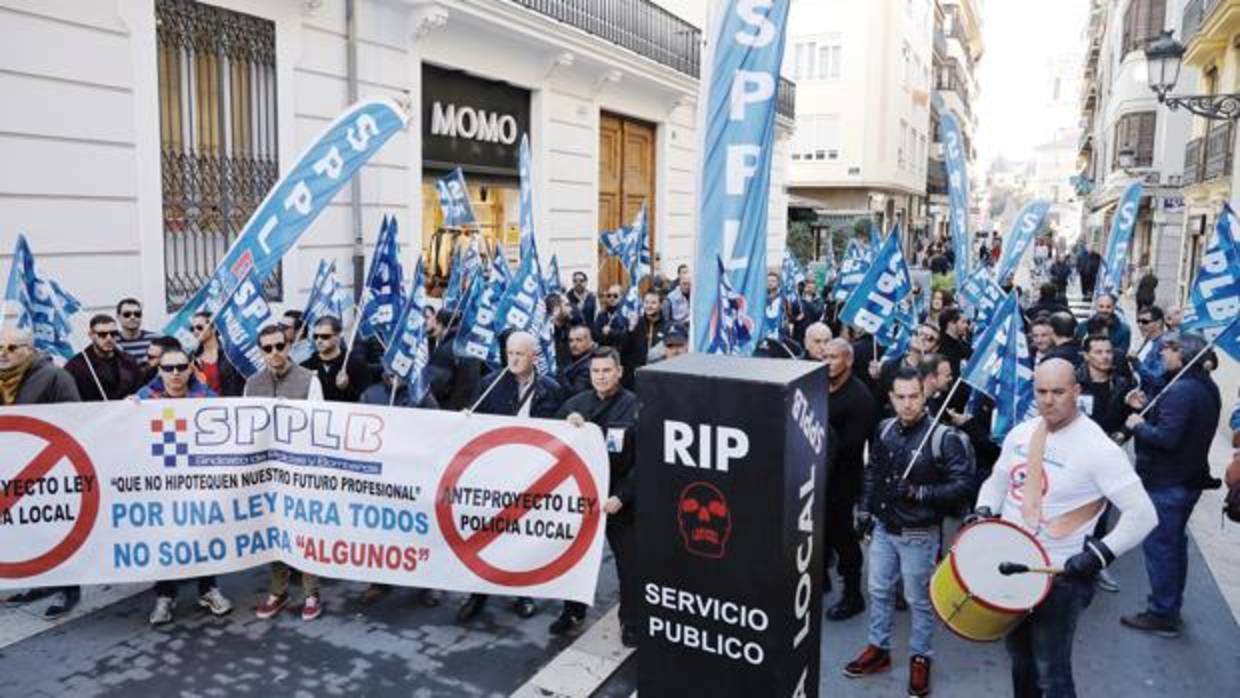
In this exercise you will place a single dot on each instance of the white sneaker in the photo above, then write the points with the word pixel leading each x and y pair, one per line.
pixel 215 602
pixel 163 610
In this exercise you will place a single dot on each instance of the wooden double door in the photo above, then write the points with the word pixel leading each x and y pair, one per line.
pixel 626 181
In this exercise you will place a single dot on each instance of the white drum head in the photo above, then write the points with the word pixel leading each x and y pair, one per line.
pixel 976 556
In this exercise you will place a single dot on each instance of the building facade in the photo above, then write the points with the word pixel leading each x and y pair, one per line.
pixel 1128 136
pixel 1209 30
pixel 149 129
pixel 1055 159
pixel 864 73
pixel 957 49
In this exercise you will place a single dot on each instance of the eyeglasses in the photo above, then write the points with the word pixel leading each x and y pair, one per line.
pixel 613 295
pixel 174 368
pixel 199 328
pixel 114 334
pixel 131 313
pixel 1144 320
pixel 323 337
pixel 12 348
pixel 268 348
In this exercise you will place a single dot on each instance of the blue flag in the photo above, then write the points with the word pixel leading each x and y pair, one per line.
pixel 1111 275
pixel 522 307
pixel 43 307
pixel 464 266
pixel 454 200
pixel 790 274
pixel 1027 224
pixel 408 354
pixel 737 103
pixel 957 190
pixel 885 284
pixel 852 271
pixel 896 333
pixel 552 280
pixel 1214 299
pixel 981 296
pixel 240 317
pixel 773 325
pixel 1002 368
pixel 631 245
pixel 730 327
pixel 526 214
pixel 385 291
pixel 295 201
pixel 326 298
pixel 479 327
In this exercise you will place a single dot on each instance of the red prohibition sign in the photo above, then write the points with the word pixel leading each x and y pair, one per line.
pixel 567 465
pixel 59 445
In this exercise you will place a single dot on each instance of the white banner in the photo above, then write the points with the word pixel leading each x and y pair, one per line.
pixel 128 492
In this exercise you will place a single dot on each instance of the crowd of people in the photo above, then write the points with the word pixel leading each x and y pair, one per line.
pixel 910 446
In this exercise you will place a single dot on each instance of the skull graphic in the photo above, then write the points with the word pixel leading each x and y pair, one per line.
pixel 705 520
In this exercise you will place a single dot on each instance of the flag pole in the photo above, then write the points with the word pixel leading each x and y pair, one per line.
pixel 491 387
pixel 91 365
pixel 916 454
pixel 357 323
pixel 1190 364
pixel 395 387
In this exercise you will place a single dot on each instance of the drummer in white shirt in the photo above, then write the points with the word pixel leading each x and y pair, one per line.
pixel 1057 495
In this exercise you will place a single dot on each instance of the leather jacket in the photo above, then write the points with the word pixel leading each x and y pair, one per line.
pixel 942 484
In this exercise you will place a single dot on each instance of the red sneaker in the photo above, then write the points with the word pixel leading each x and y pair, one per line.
pixel 271 605
pixel 918 676
pixel 873 660
pixel 312 608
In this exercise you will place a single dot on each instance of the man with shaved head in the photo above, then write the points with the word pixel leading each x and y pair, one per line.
pixel 1054 476
pixel 851 412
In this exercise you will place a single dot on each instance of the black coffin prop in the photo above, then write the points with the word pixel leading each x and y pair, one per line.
pixel 730 504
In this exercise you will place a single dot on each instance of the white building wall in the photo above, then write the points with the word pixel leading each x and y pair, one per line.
pixel 80 90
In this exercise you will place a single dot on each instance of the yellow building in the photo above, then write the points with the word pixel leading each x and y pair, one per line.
pixel 1211 29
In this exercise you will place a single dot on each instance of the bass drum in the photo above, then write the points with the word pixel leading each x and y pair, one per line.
pixel 967 591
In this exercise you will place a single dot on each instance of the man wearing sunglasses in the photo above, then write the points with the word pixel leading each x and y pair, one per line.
pixel 328 361
pixel 133 340
pixel 1147 360
pixel 28 377
pixel 281 378
pixel 177 380
pixel 101 371
pixel 610 327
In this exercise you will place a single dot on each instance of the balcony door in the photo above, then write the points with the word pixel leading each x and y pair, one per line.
pixel 626 181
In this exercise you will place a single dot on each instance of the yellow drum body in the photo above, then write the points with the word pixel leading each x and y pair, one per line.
pixel 970 596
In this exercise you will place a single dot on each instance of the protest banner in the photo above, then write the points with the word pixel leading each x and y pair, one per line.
pixel 163 489
pixel 1111 275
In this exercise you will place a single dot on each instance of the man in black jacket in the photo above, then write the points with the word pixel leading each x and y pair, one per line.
pixel 610 327
pixel 583 303
pixel 647 334
pixel 1063 338
pixel 614 410
pixel 330 360
pixel 454 379
pixel 1103 389
pixel 516 391
pixel 101 370
pixel 852 414
pixel 1173 447
pixel 575 377
pixel 28 377
pixel 954 337
pixel 903 513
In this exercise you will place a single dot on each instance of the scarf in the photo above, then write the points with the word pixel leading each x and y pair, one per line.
pixel 11 380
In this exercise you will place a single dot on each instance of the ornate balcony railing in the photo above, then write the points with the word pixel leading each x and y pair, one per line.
pixel 1219 141
pixel 1192 161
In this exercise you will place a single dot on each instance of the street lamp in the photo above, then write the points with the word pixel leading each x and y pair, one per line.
pixel 1163 57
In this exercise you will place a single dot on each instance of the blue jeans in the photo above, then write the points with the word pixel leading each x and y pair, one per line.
pixel 1041 646
pixel 912 556
pixel 1166 549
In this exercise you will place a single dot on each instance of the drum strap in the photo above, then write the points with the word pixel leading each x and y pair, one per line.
pixel 1035 478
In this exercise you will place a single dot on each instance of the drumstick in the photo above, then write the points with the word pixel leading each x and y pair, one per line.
pixel 1010 568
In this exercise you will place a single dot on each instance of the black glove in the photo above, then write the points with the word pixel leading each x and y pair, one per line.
pixel 863 524
pixel 911 492
pixel 978 514
pixel 1090 561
